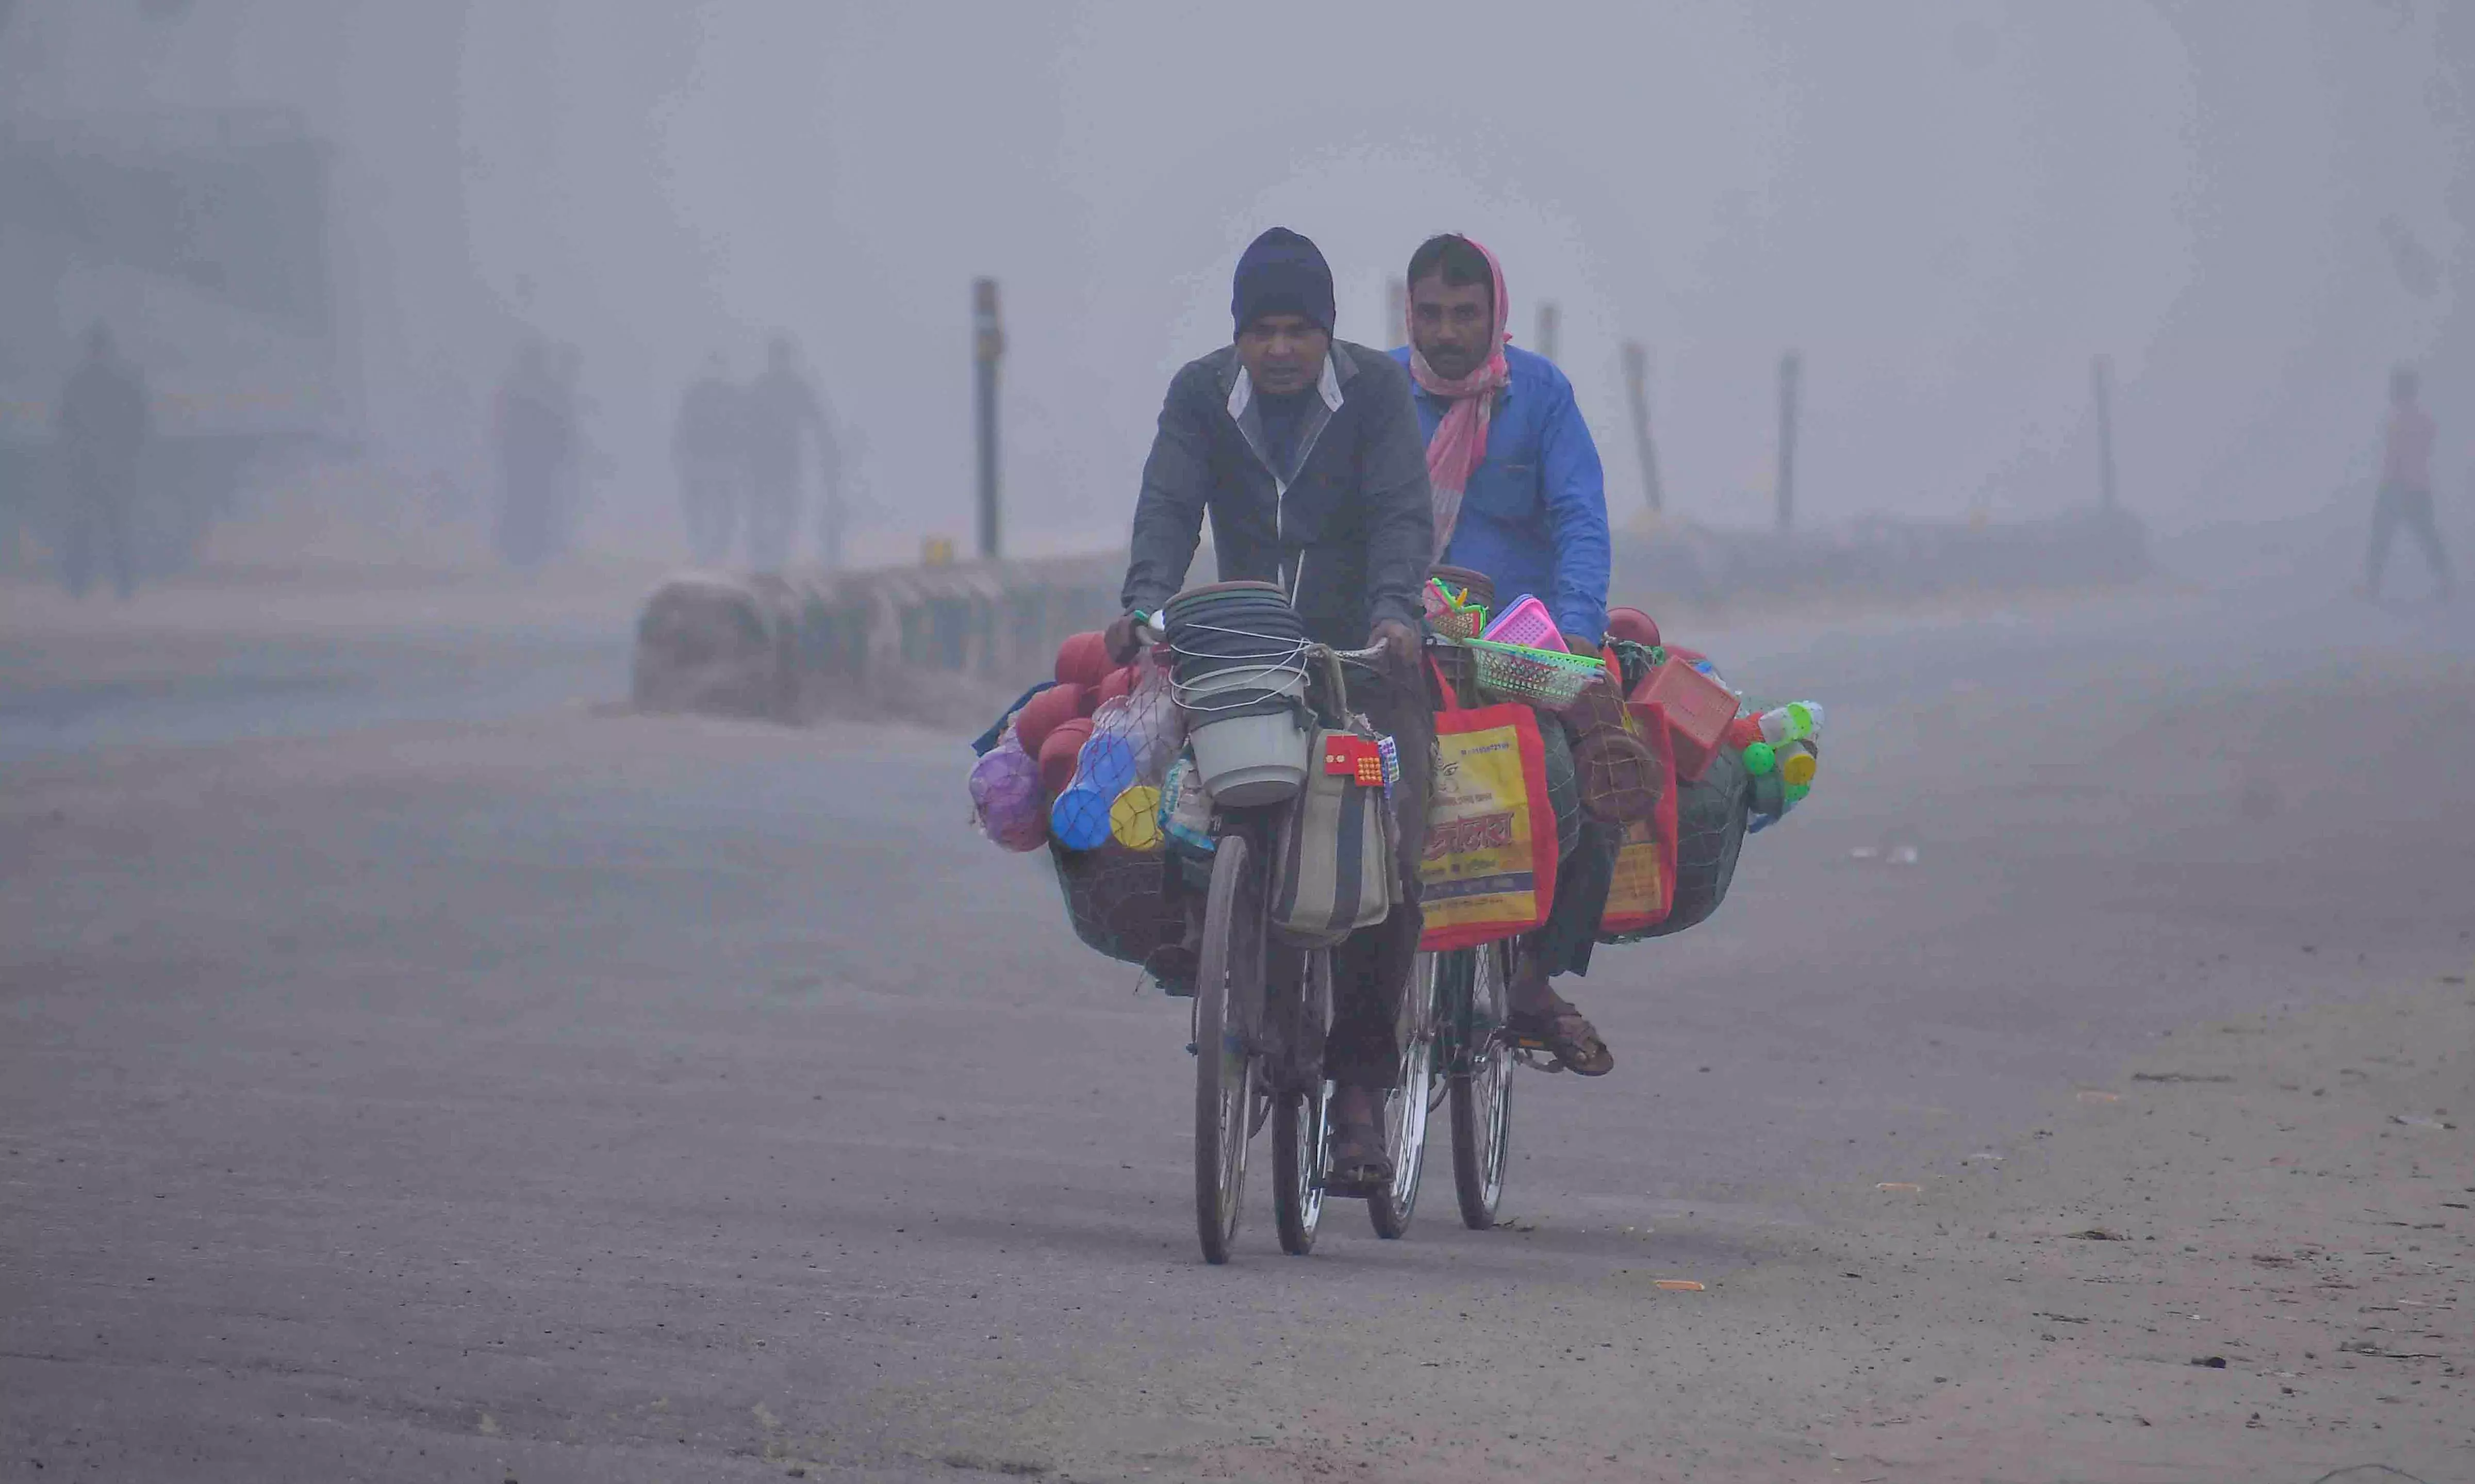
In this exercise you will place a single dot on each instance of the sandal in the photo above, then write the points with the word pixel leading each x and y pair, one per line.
pixel 1359 1165
pixel 1565 1033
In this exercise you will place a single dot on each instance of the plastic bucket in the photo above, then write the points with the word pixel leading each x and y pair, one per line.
pixel 1240 688
pixel 1252 758
pixel 1231 625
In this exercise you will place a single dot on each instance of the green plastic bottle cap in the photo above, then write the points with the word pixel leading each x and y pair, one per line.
pixel 1759 759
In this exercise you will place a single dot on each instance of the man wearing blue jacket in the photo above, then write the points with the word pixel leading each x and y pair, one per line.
pixel 1519 496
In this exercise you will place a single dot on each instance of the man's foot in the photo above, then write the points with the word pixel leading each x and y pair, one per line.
pixel 1540 1019
pixel 1360 1164
pixel 1564 1033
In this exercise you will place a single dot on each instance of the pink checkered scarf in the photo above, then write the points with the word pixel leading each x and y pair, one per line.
pixel 1460 444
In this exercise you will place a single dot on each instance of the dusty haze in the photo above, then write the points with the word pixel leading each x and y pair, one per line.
pixel 2253 207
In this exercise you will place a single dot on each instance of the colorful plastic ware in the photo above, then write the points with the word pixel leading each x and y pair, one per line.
pixel 1699 710
pixel 1526 624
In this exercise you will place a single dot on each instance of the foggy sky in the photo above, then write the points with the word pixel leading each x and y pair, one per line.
pixel 1947 209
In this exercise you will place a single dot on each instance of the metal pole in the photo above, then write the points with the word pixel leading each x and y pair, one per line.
pixel 988 349
pixel 1791 374
pixel 2102 387
pixel 1396 304
pixel 1549 321
pixel 1636 372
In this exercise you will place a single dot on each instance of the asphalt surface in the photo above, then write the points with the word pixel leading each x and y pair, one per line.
pixel 445 1080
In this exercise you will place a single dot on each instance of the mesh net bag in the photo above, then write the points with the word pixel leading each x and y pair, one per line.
pixel 1119 895
pixel 1711 813
pixel 1621 779
pixel 1119 903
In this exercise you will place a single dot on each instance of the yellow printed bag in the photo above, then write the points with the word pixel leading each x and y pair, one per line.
pixel 1490 867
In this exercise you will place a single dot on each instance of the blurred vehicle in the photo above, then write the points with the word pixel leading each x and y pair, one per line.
pixel 202 242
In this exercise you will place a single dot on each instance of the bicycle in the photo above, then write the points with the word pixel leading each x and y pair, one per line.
pixel 1261 1010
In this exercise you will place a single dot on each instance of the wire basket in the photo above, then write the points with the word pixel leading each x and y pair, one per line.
pixel 1545 678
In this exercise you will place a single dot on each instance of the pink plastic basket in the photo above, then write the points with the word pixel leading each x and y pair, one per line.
pixel 1526 624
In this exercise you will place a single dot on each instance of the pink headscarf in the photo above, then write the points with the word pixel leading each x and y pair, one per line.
pixel 1460 444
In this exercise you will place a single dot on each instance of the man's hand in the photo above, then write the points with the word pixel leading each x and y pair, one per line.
pixel 1121 639
pixel 1400 643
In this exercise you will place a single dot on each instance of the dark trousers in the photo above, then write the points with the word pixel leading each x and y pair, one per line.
pixel 1585 865
pixel 2399 505
pixel 1370 972
pixel 100 518
pixel 1582 881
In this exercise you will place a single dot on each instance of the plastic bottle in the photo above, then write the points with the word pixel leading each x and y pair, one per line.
pixel 1798 761
pixel 1792 720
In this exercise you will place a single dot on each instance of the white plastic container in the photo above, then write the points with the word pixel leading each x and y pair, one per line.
pixel 1252 760
pixel 1249 759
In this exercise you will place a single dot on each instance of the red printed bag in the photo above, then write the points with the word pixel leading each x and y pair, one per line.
pixel 1644 890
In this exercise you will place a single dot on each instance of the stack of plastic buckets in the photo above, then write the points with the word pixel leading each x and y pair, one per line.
pixel 1241 681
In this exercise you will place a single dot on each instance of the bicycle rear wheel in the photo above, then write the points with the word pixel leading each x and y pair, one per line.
pixel 1405 1111
pixel 1302 1104
pixel 1481 1079
pixel 1228 1006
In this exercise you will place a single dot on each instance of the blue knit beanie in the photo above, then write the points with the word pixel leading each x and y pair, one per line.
pixel 1281 273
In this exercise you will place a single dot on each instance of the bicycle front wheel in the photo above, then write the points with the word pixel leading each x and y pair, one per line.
pixel 1405 1111
pixel 1481 1079
pixel 1227 1005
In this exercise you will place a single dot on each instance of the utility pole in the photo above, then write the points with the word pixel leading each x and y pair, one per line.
pixel 1396 304
pixel 1550 319
pixel 988 349
pixel 2102 388
pixel 1791 374
pixel 1636 373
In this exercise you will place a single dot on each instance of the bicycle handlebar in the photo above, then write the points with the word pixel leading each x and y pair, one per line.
pixel 1367 656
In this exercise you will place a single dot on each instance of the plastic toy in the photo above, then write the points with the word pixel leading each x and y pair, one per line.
pixel 1079 820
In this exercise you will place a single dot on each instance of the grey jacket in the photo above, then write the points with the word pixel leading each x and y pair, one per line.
pixel 1348 531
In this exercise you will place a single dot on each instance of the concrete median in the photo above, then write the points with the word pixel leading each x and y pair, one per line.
pixel 935 644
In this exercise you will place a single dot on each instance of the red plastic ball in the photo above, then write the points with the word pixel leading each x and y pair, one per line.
pixel 1040 715
pixel 1060 752
pixel 1083 659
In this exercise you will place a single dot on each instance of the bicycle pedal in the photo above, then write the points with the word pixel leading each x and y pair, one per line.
pixel 1528 1052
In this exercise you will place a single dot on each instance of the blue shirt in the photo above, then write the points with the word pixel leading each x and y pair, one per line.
pixel 1534 517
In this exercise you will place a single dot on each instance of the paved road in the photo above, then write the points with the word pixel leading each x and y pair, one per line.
pixel 484 1088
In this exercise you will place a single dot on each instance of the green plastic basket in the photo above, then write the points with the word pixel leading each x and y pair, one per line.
pixel 1549 679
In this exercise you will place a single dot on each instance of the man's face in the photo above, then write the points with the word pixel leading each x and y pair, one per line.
pixel 1452 325
pixel 1284 354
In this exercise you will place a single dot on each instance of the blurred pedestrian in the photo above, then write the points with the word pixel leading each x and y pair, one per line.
pixel 2406 487
pixel 709 448
pixel 782 409
pixel 102 426
pixel 534 437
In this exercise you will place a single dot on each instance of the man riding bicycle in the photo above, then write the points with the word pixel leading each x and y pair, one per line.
pixel 1306 453
pixel 1519 497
